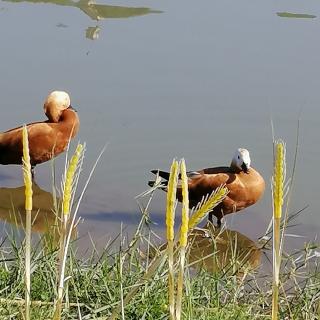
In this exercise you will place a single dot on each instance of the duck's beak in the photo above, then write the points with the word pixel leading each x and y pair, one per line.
pixel 245 168
pixel 72 108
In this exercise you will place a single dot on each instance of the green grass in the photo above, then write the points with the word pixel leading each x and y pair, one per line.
pixel 123 282
pixel 93 289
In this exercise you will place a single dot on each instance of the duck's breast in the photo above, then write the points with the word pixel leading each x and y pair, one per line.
pixel 247 189
pixel 45 142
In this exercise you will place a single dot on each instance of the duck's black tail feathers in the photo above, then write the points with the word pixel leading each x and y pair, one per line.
pixel 163 186
pixel 163 174
pixel 151 183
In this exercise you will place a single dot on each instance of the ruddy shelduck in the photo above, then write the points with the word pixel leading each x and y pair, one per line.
pixel 47 139
pixel 246 185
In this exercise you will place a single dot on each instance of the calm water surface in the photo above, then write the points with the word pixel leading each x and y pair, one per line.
pixel 163 79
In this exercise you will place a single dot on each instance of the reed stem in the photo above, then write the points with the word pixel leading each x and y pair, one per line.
pixel 276 267
pixel 27 177
pixel 183 236
pixel 28 264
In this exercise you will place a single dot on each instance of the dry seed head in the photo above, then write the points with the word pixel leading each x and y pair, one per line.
pixel 67 192
pixel 171 199
pixel 185 205
pixel 278 178
pixel 215 198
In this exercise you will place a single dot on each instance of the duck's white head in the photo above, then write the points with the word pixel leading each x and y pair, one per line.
pixel 56 102
pixel 241 160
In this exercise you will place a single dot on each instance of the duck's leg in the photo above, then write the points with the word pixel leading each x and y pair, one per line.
pixel 32 171
pixel 219 216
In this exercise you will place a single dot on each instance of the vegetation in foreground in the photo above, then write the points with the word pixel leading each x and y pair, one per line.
pixel 132 279
pixel 99 283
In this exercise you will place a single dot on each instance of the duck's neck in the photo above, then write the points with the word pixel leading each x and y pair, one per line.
pixel 70 120
pixel 53 114
pixel 234 168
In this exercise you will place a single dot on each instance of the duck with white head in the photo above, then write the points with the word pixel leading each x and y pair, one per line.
pixel 241 160
pixel 246 186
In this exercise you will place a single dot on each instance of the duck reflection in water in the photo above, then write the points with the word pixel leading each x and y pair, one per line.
pixel 47 139
pixel 213 249
pixel 45 220
pixel 96 11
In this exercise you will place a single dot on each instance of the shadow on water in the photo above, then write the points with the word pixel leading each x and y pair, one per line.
pixel 45 206
pixel 127 217
pixel 96 11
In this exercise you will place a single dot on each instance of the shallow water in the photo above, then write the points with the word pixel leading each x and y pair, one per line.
pixel 169 79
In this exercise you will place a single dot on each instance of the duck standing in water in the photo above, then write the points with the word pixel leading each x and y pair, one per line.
pixel 47 139
pixel 246 186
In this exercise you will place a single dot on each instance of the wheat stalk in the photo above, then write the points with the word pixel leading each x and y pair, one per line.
pixel 278 194
pixel 170 215
pixel 27 178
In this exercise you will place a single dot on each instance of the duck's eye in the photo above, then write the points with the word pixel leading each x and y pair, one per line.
pixel 239 157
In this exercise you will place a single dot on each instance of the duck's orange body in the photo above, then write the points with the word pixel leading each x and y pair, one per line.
pixel 246 186
pixel 46 139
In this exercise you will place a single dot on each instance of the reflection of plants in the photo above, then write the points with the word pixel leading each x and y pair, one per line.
pixel 295 15
pixel 92 33
pixel 96 11
pixel 101 11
